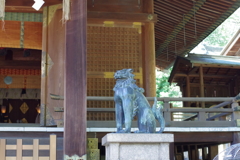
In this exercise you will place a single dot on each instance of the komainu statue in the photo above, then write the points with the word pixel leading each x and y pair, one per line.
pixel 130 102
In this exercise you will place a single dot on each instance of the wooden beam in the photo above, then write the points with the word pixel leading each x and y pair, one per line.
pixel 205 75
pixel 122 17
pixel 75 89
pixel 200 123
pixel 218 66
pixel 26 3
pixel 15 64
pixel 22 16
pixel 203 137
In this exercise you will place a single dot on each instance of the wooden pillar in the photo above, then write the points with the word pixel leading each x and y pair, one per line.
pixel 213 151
pixel 44 68
pixel 201 85
pixel 188 90
pixel 171 151
pixel 75 82
pixel 149 63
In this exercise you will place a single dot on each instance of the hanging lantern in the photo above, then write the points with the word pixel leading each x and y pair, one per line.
pixel 3 109
pixel 38 109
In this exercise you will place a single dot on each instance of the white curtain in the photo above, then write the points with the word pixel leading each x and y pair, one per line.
pixel 2 9
pixel 66 10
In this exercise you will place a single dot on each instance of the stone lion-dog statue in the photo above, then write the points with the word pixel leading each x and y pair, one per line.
pixel 130 101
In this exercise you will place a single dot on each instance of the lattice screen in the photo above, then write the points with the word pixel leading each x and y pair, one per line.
pixel 113 48
pixel 110 49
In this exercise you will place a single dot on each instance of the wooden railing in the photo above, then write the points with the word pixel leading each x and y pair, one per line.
pixel 200 117
pixel 35 147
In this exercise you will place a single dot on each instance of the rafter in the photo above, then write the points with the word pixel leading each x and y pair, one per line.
pixel 180 26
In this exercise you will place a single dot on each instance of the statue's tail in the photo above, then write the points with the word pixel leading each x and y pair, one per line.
pixel 158 113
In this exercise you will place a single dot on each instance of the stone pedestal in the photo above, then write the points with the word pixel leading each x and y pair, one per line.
pixel 134 146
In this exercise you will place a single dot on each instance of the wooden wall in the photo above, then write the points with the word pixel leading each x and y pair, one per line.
pixel 21 34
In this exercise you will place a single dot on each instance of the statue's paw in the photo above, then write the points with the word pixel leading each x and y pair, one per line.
pixel 137 131
pixel 121 131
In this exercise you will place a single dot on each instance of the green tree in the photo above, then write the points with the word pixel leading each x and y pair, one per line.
pixel 163 87
pixel 223 33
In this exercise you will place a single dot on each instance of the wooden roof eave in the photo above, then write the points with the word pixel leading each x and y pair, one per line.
pixel 231 43
pixel 215 65
pixel 200 37
pixel 175 66
pixel 223 17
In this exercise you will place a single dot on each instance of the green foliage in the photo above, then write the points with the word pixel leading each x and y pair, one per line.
pixel 164 89
pixel 222 35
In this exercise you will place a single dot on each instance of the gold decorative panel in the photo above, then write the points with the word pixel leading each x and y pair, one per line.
pixel 24 120
pixel 24 108
pixel 10 108
pixel 113 48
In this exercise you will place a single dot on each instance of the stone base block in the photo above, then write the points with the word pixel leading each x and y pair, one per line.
pixel 134 146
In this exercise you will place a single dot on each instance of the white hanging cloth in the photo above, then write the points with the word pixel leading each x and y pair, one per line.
pixel 2 9
pixel 66 10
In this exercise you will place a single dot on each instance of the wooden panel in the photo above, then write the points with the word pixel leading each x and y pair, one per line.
pixel 10 35
pixel 115 6
pixel 33 35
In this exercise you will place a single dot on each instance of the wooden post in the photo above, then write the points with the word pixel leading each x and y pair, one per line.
pixel 188 90
pixel 75 83
pixel 167 114
pixel 2 148
pixel 149 53
pixel 236 119
pixel 44 67
pixel 201 85
pixel 213 151
pixel 171 152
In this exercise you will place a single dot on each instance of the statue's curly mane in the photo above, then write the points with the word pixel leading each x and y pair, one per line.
pixel 125 79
